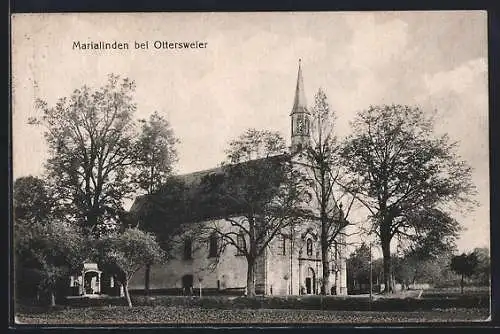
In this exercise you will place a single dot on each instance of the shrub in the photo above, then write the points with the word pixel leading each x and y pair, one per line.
pixel 443 301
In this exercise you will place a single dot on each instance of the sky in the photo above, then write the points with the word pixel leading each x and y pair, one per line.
pixel 246 76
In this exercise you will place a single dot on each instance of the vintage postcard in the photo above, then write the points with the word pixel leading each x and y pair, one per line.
pixel 250 168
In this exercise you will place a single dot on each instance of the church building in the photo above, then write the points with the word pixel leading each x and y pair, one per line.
pixel 290 265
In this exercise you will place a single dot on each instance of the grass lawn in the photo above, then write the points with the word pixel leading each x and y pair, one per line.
pixel 181 315
pixel 434 305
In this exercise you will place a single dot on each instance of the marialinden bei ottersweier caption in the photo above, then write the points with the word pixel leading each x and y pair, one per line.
pixel 140 45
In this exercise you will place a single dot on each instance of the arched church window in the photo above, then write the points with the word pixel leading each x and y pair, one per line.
pixel 309 247
pixel 188 249
pixel 282 245
pixel 240 242
pixel 213 245
pixel 187 284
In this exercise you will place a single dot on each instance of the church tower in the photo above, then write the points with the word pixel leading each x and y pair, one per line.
pixel 300 116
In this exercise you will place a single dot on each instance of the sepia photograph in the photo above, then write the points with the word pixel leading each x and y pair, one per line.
pixel 244 168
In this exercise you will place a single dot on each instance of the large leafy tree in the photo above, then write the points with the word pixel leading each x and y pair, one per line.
pixel 156 153
pixel 260 194
pixel 156 156
pixel 483 272
pixel 255 144
pixel 465 265
pixel 324 173
pixel 33 203
pixel 406 176
pixel 435 237
pixel 32 208
pixel 412 269
pixel 45 246
pixel 89 136
pixel 164 214
pixel 358 265
pixel 51 251
pixel 124 253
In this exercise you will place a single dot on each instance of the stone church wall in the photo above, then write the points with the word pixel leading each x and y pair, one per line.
pixel 229 273
pixel 275 273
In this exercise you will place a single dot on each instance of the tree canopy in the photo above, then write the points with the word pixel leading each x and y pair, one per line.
pixel 411 269
pixel 464 265
pixel 260 192
pixel 44 244
pixel 33 202
pixel 156 153
pixel 406 176
pixel 126 252
pixel 358 265
pixel 98 158
pixel 90 136
pixel 255 144
pixel 165 212
pixel 483 272
pixel 320 161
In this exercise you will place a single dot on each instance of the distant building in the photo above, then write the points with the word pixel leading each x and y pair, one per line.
pixel 290 265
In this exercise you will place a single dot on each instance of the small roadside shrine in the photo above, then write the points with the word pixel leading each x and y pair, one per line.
pixel 91 281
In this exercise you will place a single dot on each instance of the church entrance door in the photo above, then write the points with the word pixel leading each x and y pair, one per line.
pixel 310 281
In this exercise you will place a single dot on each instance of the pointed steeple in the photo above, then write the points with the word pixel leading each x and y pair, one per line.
pixel 300 116
pixel 299 102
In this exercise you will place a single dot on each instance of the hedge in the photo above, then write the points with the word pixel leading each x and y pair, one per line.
pixel 318 303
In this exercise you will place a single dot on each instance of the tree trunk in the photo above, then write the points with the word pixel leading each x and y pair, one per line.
pixel 325 283
pixel 251 258
pixel 338 272
pixel 386 252
pixel 127 294
pixel 52 298
pixel 462 284
pixel 147 275
pixel 250 278
pixel 93 221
